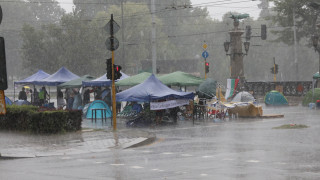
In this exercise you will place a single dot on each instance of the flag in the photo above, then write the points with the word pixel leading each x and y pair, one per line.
pixel 231 87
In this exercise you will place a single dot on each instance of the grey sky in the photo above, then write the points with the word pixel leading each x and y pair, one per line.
pixel 217 8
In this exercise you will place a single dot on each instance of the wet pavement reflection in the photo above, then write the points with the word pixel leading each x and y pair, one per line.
pixel 233 149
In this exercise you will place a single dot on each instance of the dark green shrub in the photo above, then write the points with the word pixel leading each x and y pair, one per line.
pixel 28 118
pixel 308 97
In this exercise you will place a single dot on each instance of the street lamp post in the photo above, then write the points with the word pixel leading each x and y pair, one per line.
pixel 236 54
pixel 315 43
pixel 315 37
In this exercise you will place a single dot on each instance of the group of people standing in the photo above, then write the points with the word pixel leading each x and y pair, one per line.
pixel 37 98
pixel 72 99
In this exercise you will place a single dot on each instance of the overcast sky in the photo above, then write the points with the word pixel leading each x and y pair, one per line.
pixel 217 8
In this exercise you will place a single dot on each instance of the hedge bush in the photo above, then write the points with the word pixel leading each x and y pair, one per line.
pixel 308 97
pixel 29 118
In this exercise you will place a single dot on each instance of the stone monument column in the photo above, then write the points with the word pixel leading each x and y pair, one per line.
pixel 236 57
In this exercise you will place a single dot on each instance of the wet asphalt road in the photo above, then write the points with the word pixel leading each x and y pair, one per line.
pixel 239 149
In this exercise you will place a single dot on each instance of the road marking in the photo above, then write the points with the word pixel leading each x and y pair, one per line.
pixel 253 161
pixel 203 174
pixel 160 170
pixel 146 151
pixel 98 162
pixel 167 153
pixel 181 172
pixel 136 167
pixel 186 155
pixel 65 158
pixel 282 163
pixel 227 159
pixel 207 156
pixel 116 164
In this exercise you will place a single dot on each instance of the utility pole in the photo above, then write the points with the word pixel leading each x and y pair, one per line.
pixel 153 39
pixel 122 34
pixel 295 46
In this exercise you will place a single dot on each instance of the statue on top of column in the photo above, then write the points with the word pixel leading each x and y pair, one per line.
pixel 236 18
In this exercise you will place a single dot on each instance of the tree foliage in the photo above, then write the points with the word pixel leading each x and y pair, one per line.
pixel 305 16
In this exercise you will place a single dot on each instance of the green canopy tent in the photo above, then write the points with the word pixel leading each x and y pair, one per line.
pixel 316 76
pixel 275 98
pixel 179 78
pixel 76 83
pixel 134 80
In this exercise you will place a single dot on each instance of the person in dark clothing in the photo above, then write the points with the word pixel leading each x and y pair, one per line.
pixel 22 94
pixel 173 113
pixel 86 97
pixel 36 97
pixel 318 104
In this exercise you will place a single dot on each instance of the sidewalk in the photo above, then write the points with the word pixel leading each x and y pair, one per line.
pixel 15 144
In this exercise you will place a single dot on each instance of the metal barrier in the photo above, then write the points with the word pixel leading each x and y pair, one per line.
pixel 288 88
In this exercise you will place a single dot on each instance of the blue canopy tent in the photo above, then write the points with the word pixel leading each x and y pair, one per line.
pixel 150 90
pixel 59 77
pixel 31 80
pixel 102 81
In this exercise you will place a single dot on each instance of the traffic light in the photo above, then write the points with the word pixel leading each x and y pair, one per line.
pixel 277 68
pixel 3 67
pixel 263 32
pixel 207 67
pixel 272 70
pixel 109 68
pixel 117 73
pixel 248 33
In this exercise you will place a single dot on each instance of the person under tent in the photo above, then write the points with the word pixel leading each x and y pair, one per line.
pixel 22 94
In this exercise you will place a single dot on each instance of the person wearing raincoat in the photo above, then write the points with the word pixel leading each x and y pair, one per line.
pixel 77 100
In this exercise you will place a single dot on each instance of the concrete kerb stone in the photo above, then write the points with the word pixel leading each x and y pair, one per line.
pixel 149 138
pixel 94 140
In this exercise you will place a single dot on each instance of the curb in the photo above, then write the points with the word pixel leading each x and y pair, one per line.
pixel 150 139
pixel 128 138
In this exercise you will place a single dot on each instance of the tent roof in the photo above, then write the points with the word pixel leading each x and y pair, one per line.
pixel 76 83
pixel 243 96
pixel 101 81
pixel 35 77
pixel 150 90
pixel 179 78
pixel 134 80
pixel 207 88
pixel 275 98
pixel 316 76
pixel 59 77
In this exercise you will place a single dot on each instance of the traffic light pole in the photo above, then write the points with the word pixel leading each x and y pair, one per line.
pixel 205 71
pixel 114 112
pixel 274 72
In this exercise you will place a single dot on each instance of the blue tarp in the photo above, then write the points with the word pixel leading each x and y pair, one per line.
pixel 151 89
pixel 59 77
pixel 40 75
pixel 98 104
pixel 102 81
pixel 8 101
pixel 22 102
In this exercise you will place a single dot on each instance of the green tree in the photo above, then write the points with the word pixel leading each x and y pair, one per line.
pixel 305 17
